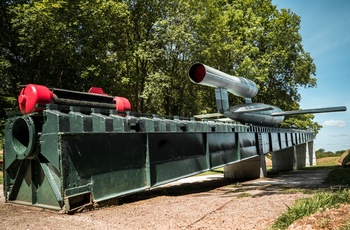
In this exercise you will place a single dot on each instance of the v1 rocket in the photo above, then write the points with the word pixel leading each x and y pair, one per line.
pixel 248 113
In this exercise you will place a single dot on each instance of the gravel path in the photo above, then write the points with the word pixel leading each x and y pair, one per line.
pixel 206 202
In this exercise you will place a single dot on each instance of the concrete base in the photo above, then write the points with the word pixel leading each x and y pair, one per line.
pixel 289 159
pixel 293 158
pixel 251 168
pixel 283 160
pixel 312 153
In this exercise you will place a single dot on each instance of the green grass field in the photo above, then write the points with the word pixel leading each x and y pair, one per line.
pixel 338 177
pixel 327 161
pixel 307 206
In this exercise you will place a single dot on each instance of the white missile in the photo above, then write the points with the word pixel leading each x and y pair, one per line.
pixel 239 86
pixel 251 113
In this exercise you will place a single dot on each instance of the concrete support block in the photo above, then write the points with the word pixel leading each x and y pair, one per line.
pixel 251 168
pixel 312 153
pixel 296 157
pixel 283 160
pixel 307 155
pixel 301 152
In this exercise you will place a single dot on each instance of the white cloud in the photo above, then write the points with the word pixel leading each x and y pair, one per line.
pixel 335 123
pixel 340 135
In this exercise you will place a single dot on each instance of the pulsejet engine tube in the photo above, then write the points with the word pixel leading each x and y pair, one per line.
pixel 239 86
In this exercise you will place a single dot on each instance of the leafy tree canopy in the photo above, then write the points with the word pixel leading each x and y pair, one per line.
pixel 143 49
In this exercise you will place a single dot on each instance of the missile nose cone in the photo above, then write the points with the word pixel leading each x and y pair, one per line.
pixel 197 73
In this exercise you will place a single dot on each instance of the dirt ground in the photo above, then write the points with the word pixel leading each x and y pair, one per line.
pixel 205 202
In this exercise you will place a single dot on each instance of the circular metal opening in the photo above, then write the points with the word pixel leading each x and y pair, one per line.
pixel 23 131
pixel 197 72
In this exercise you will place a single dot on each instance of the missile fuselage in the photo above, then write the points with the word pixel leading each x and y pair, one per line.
pixel 239 86
pixel 259 118
pixel 208 76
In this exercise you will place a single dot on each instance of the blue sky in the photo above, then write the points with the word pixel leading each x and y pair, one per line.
pixel 325 29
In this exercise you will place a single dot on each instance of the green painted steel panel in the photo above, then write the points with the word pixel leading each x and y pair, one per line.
pixel 167 171
pixel 49 149
pixel 146 125
pixel 94 153
pixel 80 122
pixel 101 122
pixel 274 142
pixel 283 140
pixel 174 155
pixel 222 148
pixel 116 183
pixel 113 163
pixel 56 121
pixel 67 157
pixel 118 121
pixel 265 142
pixel 248 145
pixel 22 189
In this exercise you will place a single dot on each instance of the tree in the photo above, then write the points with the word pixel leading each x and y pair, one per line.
pixel 320 151
pixel 10 65
pixel 71 44
pixel 143 50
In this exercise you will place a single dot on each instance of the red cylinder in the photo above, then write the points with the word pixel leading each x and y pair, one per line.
pixel 97 90
pixel 122 104
pixel 32 95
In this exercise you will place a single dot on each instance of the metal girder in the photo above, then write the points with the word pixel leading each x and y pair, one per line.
pixel 69 157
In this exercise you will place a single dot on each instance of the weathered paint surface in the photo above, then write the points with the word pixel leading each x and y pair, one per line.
pixel 68 157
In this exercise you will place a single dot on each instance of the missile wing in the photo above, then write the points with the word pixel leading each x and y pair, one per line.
pixel 248 110
pixel 208 115
pixel 307 111
pixel 239 111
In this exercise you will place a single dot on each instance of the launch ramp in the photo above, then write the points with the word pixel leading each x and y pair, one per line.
pixel 64 158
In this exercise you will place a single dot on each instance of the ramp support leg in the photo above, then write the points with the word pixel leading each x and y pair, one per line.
pixel 294 158
pixel 251 168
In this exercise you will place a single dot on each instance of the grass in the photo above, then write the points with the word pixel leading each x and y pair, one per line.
pixel 212 172
pixel 243 195
pixel 296 190
pixel 307 206
pixel 345 227
pixel 321 200
pixel 327 161
pixel 324 164
pixel 339 176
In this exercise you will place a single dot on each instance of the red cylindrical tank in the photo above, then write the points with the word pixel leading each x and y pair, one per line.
pixel 32 95
pixel 122 104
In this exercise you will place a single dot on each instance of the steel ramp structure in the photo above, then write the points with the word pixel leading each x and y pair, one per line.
pixel 67 157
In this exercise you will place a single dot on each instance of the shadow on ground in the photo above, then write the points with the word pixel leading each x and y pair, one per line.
pixel 288 182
